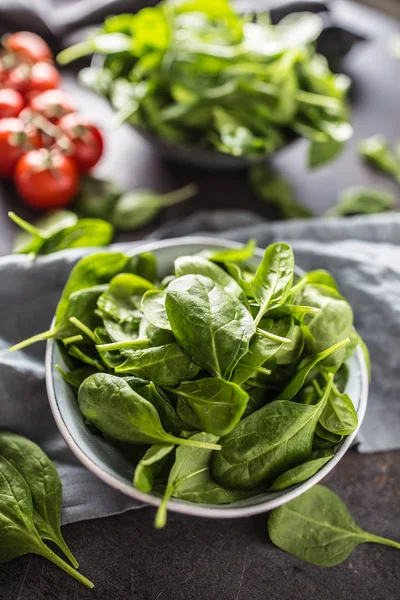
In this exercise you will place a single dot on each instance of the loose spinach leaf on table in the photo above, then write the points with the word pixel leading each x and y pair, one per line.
pixel 44 484
pixel 82 233
pixel 136 209
pixel 18 532
pixel 273 188
pixel 214 327
pixel 376 151
pixel 317 528
pixel 267 443
pixel 122 414
pixel 362 200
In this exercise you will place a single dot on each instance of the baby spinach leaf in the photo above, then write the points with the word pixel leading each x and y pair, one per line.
pixel 317 520
pixel 18 532
pixel 77 376
pixel 242 278
pixel 362 200
pixel 218 404
pixel 168 415
pixel 273 278
pixel 96 197
pixel 122 414
pixel 165 365
pixel 61 233
pixel 153 307
pixel 305 368
pixel 339 415
pixel 300 473
pixel 80 305
pixel 319 276
pixel 150 466
pixel 324 438
pixel 91 270
pixel 261 349
pixel 190 479
pixel 332 323
pixel 136 209
pixel 197 265
pixel 267 443
pixel 31 237
pixel 269 186
pixel 44 483
pixel 146 266
pixel 375 150
pixel 323 152
pixel 232 254
pixel 211 325
pixel 123 296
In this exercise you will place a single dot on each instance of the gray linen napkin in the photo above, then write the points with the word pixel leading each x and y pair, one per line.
pixel 363 253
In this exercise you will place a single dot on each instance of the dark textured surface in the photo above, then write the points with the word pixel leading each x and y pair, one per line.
pixel 195 559
pixel 233 560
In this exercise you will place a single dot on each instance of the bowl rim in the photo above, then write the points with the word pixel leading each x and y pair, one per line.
pixel 175 505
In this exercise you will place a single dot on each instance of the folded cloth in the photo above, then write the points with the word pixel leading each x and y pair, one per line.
pixel 363 253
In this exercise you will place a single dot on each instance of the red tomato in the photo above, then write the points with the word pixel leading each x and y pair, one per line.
pixel 52 104
pixel 87 140
pixel 46 179
pixel 28 46
pixel 11 103
pixel 16 137
pixel 38 77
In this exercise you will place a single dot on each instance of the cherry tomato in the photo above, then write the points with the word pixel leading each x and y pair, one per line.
pixel 28 46
pixel 11 103
pixel 16 137
pixel 87 140
pixel 46 179
pixel 38 77
pixel 52 104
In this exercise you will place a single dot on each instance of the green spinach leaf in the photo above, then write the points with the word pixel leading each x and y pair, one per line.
pixel 273 279
pixel 18 532
pixel 267 443
pixel 211 325
pixel 217 404
pixel 318 519
pixel 44 483
pixel 120 413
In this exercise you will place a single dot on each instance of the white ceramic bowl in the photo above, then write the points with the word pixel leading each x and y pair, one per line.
pixel 109 463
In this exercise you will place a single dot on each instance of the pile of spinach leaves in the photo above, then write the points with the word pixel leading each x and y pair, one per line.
pixel 197 73
pixel 233 380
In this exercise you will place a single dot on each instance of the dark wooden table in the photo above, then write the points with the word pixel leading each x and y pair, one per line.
pixel 195 559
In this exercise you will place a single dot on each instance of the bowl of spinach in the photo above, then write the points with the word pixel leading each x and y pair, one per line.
pixel 209 87
pixel 213 378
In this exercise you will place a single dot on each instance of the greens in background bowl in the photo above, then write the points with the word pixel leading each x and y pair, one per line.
pixel 192 478
pixel 209 87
